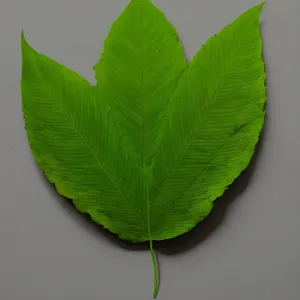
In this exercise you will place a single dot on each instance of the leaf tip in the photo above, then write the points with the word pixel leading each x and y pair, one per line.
pixel 260 6
pixel 25 46
pixel 23 39
pixel 22 36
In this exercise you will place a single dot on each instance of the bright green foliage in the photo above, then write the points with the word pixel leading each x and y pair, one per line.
pixel 147 150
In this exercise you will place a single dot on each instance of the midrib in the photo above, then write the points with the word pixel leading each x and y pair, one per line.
pixel 143 164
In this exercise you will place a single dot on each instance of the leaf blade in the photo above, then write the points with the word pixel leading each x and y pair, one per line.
pixel 228 102
pixel 137 74
pixel 61 111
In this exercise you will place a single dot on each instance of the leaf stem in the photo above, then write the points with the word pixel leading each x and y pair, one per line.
pixel 155 272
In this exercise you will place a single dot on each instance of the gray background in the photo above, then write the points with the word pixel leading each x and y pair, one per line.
pixel 247 250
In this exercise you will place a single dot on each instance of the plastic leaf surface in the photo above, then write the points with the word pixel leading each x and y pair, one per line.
pixel 147 151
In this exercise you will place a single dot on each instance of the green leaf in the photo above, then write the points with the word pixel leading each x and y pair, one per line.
pixel 137 74
pixel 147 150
pixel 70 135
pixel 212 126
